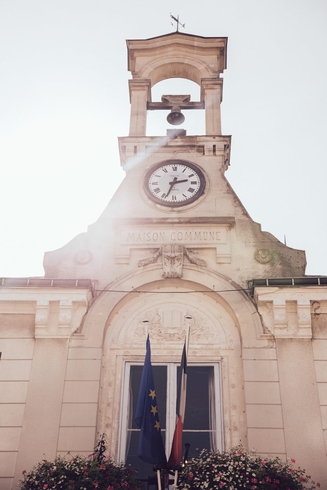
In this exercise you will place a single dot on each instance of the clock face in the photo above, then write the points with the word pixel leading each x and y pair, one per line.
pixel 174 183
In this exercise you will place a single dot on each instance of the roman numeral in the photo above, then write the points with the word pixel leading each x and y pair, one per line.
pixel 173 197
pixel 156 183
pixel 165 170
pixel 193 182
pixel 157 190
pixel 190 189
pixel 174 169
pixel 191 175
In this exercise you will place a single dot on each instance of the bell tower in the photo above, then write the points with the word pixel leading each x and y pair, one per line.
pixel 176 55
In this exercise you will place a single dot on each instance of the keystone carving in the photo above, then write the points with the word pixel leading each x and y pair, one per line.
pixel 172 259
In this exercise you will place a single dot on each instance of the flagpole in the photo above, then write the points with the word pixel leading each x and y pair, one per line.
pixel 188 319
pixel 175 479
pixel 146 325
pixel 159 479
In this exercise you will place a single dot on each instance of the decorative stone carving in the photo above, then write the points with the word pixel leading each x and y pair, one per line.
pixel 172 259
pixel 263 256
pixel 83 257
pixel 151 259
pixel 201 332
pixel 190 254
pixel 151 324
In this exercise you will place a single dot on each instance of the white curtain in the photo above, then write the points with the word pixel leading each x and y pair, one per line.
pixel 212 410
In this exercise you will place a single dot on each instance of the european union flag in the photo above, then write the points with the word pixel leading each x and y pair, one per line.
pixel 151 448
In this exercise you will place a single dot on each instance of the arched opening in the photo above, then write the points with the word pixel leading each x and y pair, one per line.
pixel 194 119
pixel 215 396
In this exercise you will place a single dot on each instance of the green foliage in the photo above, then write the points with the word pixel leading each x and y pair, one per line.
pixel 80 473
pixel 240 469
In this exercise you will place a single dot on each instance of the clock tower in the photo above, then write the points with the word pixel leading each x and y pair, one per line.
pixel 175 195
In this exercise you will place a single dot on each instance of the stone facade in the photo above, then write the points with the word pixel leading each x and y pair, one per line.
pixel 164 270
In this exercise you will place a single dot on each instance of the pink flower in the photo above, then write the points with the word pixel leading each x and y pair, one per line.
pixel 318 484
pixel 110 487
pixel 222 484
pixel 24 472
pixel 293 460
pixel 45 485
pixel 262 463
pixel 190 475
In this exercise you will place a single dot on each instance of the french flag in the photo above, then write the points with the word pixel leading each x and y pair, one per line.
pixel 176 449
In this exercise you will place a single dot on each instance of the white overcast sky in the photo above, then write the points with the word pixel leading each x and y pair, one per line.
pixel 64 101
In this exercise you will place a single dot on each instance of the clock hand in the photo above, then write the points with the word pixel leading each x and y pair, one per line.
pixel 171 184
pixel 178 181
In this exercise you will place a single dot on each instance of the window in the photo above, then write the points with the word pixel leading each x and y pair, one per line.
pixel 202 424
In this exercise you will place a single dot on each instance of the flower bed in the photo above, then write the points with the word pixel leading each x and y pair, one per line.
pixel 240 469
pixel 80 473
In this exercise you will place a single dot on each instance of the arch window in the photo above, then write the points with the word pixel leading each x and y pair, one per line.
pixel 202 424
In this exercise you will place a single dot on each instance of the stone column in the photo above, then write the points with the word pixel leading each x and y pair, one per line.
pixel 140 94
pixel 300 407
pixel 211 93
pixel 56 318
pixel 39 436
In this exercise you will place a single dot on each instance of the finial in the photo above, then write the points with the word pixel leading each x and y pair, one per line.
pixel 176 19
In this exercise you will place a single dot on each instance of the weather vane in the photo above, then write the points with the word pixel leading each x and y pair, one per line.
pixel 177 22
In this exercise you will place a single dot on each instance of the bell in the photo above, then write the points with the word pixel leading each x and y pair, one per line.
pixel 175 117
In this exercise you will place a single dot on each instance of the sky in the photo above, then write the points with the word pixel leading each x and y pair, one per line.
pixel 64 101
